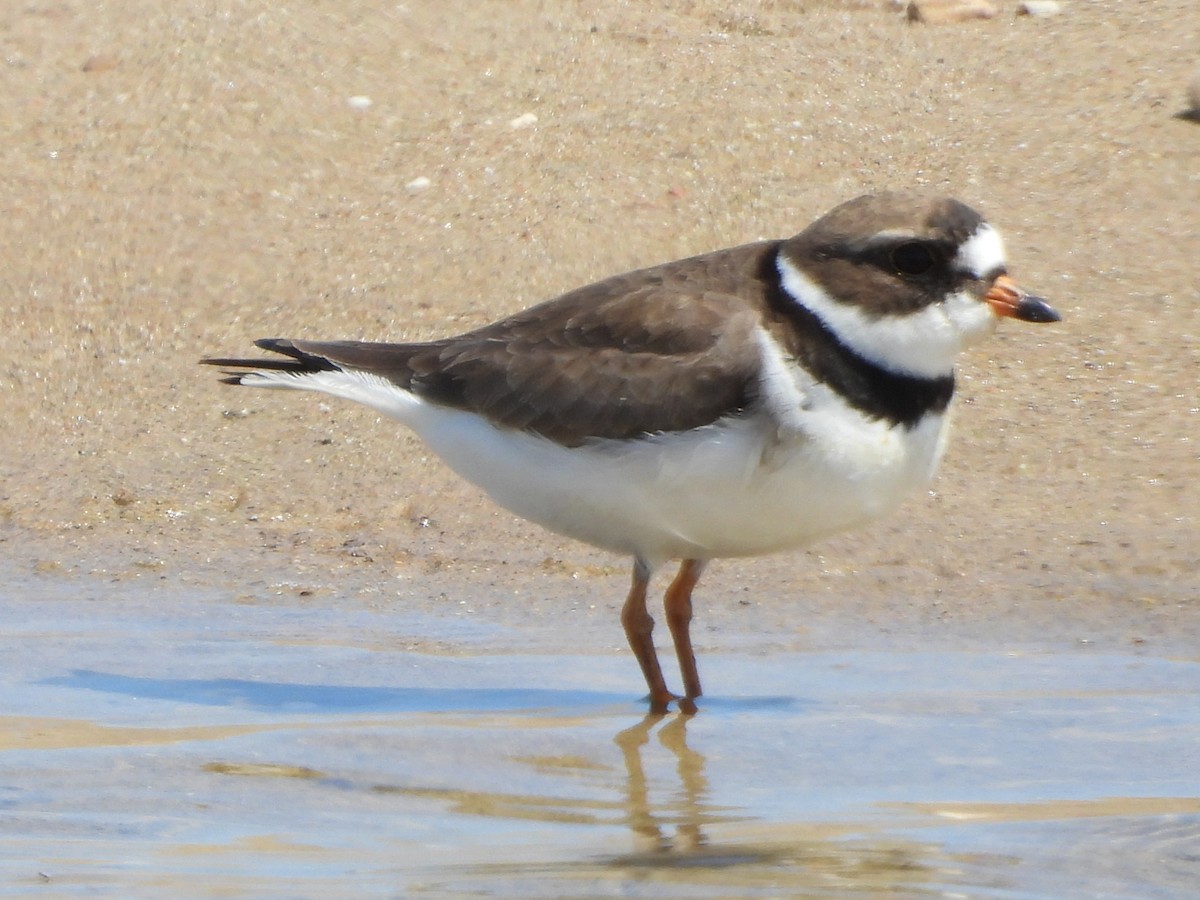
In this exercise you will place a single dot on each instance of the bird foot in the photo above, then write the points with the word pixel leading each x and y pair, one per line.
pixel 660 704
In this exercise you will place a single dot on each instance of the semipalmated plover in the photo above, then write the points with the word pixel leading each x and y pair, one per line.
pixel 732 404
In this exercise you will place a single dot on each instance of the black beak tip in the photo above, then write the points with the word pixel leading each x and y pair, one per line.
pixel 1035 309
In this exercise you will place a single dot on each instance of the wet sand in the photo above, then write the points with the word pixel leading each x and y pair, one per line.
pixel 181 181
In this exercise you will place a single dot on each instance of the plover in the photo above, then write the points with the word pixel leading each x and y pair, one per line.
pixel 738 403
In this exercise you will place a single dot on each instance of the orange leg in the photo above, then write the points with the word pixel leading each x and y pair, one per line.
pixel 678 603
pixel 639 626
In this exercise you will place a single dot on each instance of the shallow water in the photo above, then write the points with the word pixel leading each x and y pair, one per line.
pixel 156 742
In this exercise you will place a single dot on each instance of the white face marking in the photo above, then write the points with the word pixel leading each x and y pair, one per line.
pixel 982 254
pixel 923 344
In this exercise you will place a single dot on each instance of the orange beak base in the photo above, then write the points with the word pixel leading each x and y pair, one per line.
pixel 1008 301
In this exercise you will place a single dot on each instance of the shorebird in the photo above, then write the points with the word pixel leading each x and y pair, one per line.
pixel 738 403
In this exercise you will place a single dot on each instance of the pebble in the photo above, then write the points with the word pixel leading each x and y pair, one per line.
pixel 101 62
pixel 359 101
pixel 525 120
pixel 418 184
pixel 1194 94
pixel 937 12
pixel 1039 9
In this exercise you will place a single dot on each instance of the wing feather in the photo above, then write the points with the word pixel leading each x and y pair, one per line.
pixel 663 349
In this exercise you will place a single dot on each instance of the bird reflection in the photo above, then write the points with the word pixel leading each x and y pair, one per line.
pixel 659 826
pixel 650 826
pixel 679 835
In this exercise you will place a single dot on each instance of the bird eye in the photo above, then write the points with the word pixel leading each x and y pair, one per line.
pixel 912 258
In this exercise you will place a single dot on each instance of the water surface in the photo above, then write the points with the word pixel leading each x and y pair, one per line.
pixel 192 746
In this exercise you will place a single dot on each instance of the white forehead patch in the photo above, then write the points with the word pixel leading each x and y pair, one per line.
pixel 982 254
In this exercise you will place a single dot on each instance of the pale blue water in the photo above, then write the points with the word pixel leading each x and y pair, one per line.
pixel 339 762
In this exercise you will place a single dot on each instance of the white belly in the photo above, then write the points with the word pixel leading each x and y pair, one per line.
pixel 743 487
pixel 733 489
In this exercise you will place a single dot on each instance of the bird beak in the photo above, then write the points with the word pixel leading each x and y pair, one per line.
pixel 1008 300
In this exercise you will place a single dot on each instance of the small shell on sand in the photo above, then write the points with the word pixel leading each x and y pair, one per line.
pixel 1039 9
pixel 418 184
pixel 524 120
pixel 359 101
pixel 937 12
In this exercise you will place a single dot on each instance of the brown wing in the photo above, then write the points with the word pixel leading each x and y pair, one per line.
pixel 662 349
